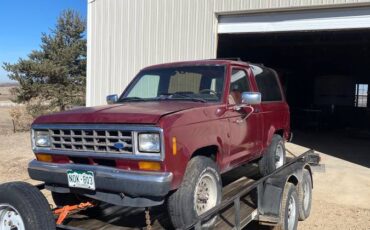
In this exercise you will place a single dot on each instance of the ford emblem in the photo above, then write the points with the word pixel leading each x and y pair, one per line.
pixel 119 145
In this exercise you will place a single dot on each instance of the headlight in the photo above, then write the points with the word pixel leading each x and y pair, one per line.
pixel 42 138
pixel 149 142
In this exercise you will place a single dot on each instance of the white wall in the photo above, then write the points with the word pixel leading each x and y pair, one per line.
pixel 127 35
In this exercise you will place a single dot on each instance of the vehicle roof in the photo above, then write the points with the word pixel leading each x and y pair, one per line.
pixel 198 62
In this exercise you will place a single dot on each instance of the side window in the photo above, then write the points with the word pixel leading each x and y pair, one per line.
pixel 238 85
pixel 267 84
pixel 147 87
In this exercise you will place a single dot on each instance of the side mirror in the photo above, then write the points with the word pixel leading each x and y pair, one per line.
pixel 251 98
pixel 111 99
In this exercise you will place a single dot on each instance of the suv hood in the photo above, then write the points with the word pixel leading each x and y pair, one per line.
pixel 128 112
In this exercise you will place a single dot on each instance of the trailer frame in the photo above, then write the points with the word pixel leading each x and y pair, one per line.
pixel 264 189
pixel 268 189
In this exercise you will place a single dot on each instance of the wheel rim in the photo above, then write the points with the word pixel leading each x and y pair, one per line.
pixel 292 212
pixel 205 196
pixel 279 156
pixel 10 219
pixel 306 195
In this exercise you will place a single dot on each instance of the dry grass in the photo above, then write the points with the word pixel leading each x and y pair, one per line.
pixel 6 125
pixel 15 150
pixel 5 93
pixel 21 118
pixel 12 115
pixel 15 153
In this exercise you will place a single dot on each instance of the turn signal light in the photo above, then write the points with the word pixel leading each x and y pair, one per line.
pixel 174 146
pixel 44 157
pixel 146 165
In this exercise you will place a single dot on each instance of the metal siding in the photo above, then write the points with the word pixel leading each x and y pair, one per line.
pixel 127 35
pixel 89 64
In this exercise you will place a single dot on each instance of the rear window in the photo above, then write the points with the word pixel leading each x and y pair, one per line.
pixel 267 83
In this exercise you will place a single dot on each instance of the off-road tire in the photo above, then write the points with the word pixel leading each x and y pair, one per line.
pixel 267 162
pixel 304 212
pixel 29 202
pixel 290 191
pixel 181 206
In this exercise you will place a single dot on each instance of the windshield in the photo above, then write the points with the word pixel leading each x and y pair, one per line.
pixel 195 83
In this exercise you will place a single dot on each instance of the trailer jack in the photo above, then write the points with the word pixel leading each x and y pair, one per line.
pixel 64 212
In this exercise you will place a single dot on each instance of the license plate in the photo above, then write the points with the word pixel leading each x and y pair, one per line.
pixel 81 179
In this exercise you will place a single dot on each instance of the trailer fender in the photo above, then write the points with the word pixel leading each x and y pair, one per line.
pixel 270 193
pixel 269 198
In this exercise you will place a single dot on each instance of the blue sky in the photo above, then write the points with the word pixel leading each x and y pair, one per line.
pixel 23 21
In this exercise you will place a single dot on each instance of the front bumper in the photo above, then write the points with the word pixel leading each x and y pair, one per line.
pixel 112 180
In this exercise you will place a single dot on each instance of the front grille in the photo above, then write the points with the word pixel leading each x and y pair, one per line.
pixel 92 140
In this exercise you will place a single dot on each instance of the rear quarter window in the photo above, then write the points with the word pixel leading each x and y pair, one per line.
pixel 267 83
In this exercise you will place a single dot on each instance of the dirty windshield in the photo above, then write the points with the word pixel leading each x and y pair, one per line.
pixel 193 83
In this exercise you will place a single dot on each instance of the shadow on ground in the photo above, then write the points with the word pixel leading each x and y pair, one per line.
pixel 337 144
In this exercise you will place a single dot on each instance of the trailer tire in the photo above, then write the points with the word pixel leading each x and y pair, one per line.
pixel 305 195
pixel 274 157
pixel 289 209
pixel 26 204
pixel 182 207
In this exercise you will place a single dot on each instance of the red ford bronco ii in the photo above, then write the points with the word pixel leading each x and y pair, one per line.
pixel 169 136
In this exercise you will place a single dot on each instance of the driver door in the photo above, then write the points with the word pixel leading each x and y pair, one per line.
pixel 244 133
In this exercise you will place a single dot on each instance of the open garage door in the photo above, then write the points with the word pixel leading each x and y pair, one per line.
pixel 329 19
pixel 325 73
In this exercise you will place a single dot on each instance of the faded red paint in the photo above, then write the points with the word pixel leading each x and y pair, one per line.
pixel 195 125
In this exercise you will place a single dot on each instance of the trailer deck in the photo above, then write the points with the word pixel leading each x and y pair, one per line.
pixel 238 208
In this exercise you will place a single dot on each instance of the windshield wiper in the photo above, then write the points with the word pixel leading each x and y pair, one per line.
pixel 183 96
pixel 131 99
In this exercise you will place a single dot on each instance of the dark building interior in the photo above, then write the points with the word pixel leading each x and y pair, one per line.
pixel 325 74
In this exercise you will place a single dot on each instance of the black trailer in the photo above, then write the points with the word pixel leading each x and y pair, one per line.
pixel 279 199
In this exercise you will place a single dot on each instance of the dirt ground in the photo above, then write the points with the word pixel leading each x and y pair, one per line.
pixel 5 91
pixel 341 195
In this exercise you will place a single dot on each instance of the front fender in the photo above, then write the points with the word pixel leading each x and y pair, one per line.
pixel 188 140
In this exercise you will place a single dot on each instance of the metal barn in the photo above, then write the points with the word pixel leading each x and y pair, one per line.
pixel 320 49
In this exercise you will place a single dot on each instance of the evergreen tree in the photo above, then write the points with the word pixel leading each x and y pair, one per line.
pixel 55 74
